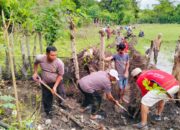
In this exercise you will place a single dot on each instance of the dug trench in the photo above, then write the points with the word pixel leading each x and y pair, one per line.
pixel 71 118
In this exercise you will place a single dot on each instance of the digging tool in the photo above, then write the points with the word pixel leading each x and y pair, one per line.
pixel 56 94
pixel 51 90
pixel 125 110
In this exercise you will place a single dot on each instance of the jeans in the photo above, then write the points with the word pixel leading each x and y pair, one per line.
pixel 93 99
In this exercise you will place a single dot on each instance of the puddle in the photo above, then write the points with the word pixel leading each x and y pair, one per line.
pixel 165 62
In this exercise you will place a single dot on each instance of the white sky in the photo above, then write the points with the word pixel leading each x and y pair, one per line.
pixel 148 3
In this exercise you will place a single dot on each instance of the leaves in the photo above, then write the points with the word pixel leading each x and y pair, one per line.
pixel 8 105
pixel 7 98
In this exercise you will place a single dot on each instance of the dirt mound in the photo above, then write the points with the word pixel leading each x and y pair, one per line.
pixel 88 60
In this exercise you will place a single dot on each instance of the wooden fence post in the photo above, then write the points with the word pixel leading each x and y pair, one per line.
pixel 102 49
pixel 73 48
pixel 176 68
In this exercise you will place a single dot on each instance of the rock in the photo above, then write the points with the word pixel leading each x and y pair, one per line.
pixel 48 121
pixel 64 119
pixel 116 121
pixel 39 127
pixel 82 118
pixel 166 119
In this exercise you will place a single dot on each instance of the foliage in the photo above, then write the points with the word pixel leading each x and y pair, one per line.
pixel 6 102
pixel 165 12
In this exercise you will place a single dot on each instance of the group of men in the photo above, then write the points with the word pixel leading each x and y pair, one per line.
pixel 93 85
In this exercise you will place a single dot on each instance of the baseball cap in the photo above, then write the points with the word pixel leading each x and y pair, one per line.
pixel 135 72
pixel 114 73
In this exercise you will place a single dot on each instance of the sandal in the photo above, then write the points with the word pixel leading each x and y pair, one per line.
pixel 140 126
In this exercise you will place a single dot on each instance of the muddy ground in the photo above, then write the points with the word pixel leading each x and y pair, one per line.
pixel 116 119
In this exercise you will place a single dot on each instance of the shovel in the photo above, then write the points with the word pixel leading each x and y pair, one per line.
pixel 56 94
pixel 120 106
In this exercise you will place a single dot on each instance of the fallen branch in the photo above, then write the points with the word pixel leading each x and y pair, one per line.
pixel 71 117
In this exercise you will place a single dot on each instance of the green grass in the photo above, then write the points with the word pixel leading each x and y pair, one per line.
pixel 89 36
pixel 170 36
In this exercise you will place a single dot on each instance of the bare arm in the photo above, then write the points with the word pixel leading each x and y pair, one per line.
pixel 35 75
pixel 111 98
pixel 58 80
pixel 127 67
pixel 108 58
pixel 35 68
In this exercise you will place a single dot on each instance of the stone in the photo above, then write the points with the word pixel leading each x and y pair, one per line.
pixel 48 121
pixel 64 119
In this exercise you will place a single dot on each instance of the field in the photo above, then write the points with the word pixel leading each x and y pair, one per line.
pixel 89 36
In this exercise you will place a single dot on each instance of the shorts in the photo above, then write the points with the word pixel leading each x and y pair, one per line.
pixel 153 96
pixel 123 82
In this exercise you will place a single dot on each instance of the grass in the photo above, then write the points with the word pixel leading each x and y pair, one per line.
pixel 89 36
pixel 170 36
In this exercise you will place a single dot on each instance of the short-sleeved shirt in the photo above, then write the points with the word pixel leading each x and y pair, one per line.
pixel 163 79
pixel 50 70
pixel 119 39
pixel 120 62
pixel 96 81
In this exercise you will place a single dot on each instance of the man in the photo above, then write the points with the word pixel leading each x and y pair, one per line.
pixel 119 38
pixel 92 85
pixel 52 74
pixel 122 66
pixel 157 45
pixel 108 31
pixel 156 86
pixel 141 33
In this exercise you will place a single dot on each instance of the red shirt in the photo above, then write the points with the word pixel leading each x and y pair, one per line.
pixel 126 44
pixel 159 77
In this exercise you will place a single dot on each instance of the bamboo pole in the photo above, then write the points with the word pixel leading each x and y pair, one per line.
pixel 73 48
pixel 5 30
pixel 102 49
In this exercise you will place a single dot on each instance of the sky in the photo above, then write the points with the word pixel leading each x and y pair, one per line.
pixel 149 3
pixel 144 4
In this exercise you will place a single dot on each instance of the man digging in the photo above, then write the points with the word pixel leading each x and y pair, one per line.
pixel 93 85
pixel 156 86
pixel 52 74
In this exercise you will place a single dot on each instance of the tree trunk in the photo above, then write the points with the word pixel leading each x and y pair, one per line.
pixel 12 45
pixel 102 49
pixel 40 42
pixel 73 48
pixel 6 73
pixel 28 53
pixel 0 72
pixel 176 67
pixel 5 30
pixel 34 48
pixel 24 64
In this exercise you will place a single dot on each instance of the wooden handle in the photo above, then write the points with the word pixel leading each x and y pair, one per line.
pixel 49 88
